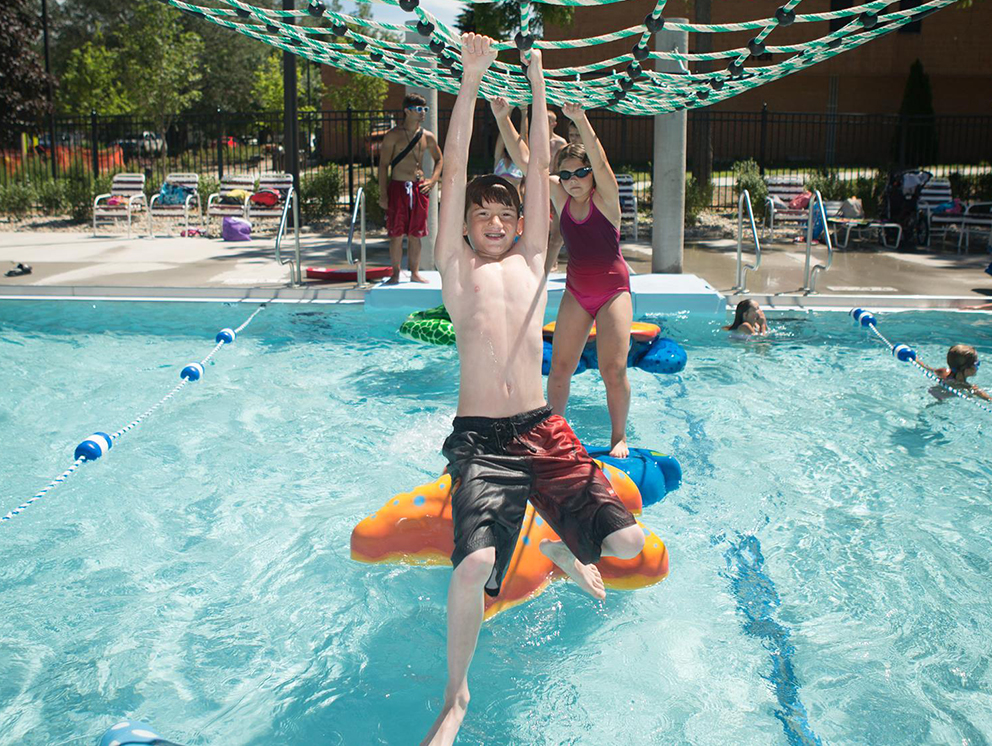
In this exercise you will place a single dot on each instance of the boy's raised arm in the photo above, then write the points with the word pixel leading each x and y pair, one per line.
pixel 477 56
pixel 536 206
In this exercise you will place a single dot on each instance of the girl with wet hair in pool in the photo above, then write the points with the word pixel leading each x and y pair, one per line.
pixel 584 192
pixel 748 320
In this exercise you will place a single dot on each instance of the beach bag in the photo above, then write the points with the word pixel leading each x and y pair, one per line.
pixel 173 194
pixel 852 208
pixel 265 198
pixel 235 229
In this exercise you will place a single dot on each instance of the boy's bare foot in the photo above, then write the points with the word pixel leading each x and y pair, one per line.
pixel 586 576
pixel 445 728
pixel 418 278
pixel 619 449
pixel 393 280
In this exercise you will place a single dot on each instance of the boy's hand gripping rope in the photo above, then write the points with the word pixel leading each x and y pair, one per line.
pixel 99 443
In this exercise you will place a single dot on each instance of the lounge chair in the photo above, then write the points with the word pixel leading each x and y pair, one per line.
pixel 221 205
pixel 282 184
pixel 178 210
pixel 628 200
pixel 125 199
pixel 781 191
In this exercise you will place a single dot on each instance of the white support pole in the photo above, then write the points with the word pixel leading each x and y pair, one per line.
pixel 430 123
pixel 668 177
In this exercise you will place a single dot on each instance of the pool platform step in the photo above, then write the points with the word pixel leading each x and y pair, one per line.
pixel 653 294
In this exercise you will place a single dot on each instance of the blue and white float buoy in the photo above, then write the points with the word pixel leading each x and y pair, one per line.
pixel 226 335
pixel 192 372
pixel 132 732
pixel 94 447
pixel 904 353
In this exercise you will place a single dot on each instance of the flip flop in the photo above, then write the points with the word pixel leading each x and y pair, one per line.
pixel 20 269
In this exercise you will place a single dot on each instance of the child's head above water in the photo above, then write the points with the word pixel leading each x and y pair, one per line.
pixel 492 216
pixel 747 311
pixel 963 360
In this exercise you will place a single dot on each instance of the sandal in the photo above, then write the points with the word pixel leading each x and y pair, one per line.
pixel 20 269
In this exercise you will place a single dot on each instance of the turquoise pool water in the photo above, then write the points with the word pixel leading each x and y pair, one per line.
pixel 830 545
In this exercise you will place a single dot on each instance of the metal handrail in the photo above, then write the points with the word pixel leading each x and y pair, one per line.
pixel 809 275
pixel 295 270
pixel 745 201
pixel 359 211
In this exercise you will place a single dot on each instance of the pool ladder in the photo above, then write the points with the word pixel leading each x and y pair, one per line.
pixel 295 270
pixel 358 212
pixel 810 274
pixel 744 201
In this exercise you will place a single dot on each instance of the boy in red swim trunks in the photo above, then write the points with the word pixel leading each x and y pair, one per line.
pixel 507 447
pixel 403 191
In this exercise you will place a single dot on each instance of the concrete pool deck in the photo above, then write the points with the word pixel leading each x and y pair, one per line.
pixel 79 264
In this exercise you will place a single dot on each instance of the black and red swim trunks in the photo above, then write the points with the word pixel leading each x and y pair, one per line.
pixel 498 464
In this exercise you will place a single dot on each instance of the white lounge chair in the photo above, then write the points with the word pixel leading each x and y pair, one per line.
pixel 222 209
pixel 125 199
pixel 781 191
pixel 277 182
pixel 191 203
pixel 628 200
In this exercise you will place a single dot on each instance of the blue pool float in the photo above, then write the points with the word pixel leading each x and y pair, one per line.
pixel 648 351
pixel 655 474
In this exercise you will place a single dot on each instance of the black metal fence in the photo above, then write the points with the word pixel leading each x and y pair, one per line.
pixel 849 145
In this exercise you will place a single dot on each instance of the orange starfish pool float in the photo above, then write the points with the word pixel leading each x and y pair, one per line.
pixel 415 527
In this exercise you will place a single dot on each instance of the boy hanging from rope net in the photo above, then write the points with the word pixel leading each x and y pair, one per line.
pixel 506 446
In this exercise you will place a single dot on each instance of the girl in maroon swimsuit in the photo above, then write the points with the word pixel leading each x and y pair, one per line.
pixel 597 285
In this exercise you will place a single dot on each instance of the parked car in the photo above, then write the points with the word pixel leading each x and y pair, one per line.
pixel 143 144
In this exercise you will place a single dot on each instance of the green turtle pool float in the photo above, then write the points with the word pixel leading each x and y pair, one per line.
pixel 432 326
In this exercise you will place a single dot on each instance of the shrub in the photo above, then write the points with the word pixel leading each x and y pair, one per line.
pixel 748 176
pixel 52 196
pixel 17 199
pixel 830 185
pixel 208 185
pixel 81 190
pixel 971 187
pixel 374 214
pixel 869 190
pixel 698 197
pixel 319 193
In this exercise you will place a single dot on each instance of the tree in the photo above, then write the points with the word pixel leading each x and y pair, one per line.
pixel 92 82
pixel 24 93
pixel 161 62
pixel 501 19
pixel 917 140
pixel 266 89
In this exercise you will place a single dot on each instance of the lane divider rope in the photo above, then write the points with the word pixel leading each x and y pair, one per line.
pixel 97 444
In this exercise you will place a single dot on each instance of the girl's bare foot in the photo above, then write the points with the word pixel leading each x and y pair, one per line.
pixel 619 449
pixel 418 278
pixel 586 576
pixel 394 280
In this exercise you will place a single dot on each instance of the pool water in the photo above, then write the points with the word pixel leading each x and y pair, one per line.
pixel 830 545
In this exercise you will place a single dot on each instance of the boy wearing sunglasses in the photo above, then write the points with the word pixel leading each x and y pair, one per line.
pixel 962 364
pixel 403 191
pixel 506 446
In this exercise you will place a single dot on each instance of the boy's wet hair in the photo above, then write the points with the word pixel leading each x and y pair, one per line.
pixel 572 150
pixel 960 357
pixel 742 308
pixel 413 99
pixel 491 188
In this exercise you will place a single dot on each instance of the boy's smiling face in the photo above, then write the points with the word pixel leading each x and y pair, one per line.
pixel 492 228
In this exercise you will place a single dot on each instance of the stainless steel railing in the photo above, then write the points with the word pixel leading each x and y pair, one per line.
pixel 810 274
pixel 295 270
pixel 358 217
pixel 744 201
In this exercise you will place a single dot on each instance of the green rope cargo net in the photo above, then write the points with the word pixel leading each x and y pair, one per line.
pixel 625 84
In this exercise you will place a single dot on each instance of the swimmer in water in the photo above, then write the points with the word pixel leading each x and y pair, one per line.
pixel 748 321
pixel 962 364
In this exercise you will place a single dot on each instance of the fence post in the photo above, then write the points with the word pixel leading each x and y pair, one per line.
pixel 96 152
pixel 763 139
pixel 220 145
pixel 351 163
